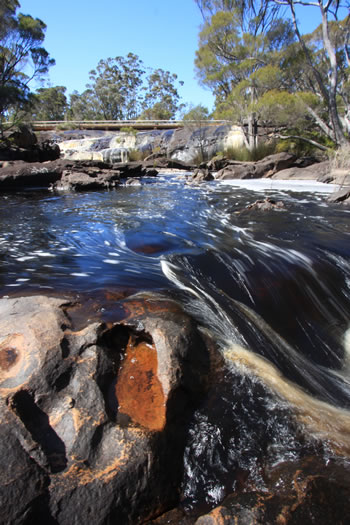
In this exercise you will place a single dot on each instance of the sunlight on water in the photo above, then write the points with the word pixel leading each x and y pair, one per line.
pixel 272 290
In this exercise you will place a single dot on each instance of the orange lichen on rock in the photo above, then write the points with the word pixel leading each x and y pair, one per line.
pixel 138 389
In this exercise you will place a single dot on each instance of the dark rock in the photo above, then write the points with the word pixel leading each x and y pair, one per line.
pixel 266 205
pixel 305 162
pixel 201 175
pixel 342 196
pixel 317 171
pixel 24 137
pixel 308 492
pixel 161 162
pixel 97 416
pixel 266 167
pixel 150 172
pixel 94 179
pixel 19 174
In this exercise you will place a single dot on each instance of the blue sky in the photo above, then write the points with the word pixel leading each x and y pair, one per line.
pixel 163 33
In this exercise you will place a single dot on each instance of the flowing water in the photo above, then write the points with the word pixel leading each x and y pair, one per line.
pixel 272 288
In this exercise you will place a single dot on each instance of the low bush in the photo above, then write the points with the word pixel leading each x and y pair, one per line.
pixel 340 158
pixel 243 154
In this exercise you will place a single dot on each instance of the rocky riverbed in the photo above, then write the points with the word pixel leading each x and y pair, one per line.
pixel 217 394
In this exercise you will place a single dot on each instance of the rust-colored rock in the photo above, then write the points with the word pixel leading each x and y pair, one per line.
pixel 138 389
pixel 66 448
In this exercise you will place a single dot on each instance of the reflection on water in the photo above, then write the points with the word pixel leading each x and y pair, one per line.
pixel 272 287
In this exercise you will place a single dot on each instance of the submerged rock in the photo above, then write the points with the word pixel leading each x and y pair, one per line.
pixel 266 205
pixel 303 492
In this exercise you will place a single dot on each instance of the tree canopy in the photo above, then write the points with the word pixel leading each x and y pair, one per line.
pixel 119 90
pixel 22 58
pixel 262 71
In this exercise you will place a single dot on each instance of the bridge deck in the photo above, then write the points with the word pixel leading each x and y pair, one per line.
pixel 120 124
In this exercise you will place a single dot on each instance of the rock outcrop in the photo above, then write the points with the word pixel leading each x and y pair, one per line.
pixel 266 167
pixel 24 145
pixel 93 420
pixel 342 196
pixel 183 144
pixel 201 175
pixel 65 175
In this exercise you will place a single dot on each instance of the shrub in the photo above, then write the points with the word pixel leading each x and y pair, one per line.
pixel 340 158
pixel 245 155
pixel 137 155
pixel 128 129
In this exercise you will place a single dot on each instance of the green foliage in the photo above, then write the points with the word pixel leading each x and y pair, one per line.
pixel 50 104
pixel 239 57
pixel 161 98
pixel 137 155
pixel 119 91
pixel 196 114
pixel 22 59
pixel 129 130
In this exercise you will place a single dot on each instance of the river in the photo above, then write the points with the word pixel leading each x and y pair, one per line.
pixel 272 288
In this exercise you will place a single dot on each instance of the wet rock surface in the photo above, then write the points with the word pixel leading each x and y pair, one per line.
pixel 267 204
pixel 100 416
pixel 93 421
pixel 67 175
pixel 308 492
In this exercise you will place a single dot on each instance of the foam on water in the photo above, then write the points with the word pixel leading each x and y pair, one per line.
pixel 283 185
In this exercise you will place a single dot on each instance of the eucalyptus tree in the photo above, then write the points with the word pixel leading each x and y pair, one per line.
pixel 195 119
pixel 115 87
pixel 326 53
pixel 50 104
pixel 240 53
pixel 22 59
pixel 161 98
pixel 118 90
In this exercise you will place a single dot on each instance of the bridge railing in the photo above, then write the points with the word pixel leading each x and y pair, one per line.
pixel 117 124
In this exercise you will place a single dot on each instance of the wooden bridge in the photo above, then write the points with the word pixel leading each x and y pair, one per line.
pixel 48 125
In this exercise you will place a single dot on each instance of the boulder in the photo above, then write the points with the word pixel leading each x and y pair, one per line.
pixel 319 171
pixel 162 162
pixel 94 179
pixel 200 175
pixel 266 167
pixel 342 196
pixel 93 418
pixel 237 170
pixel 18 174
pixel 23 145
pixel 24 137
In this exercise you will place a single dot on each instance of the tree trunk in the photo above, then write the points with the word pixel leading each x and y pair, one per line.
pixel 252 132
pixel 333 109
